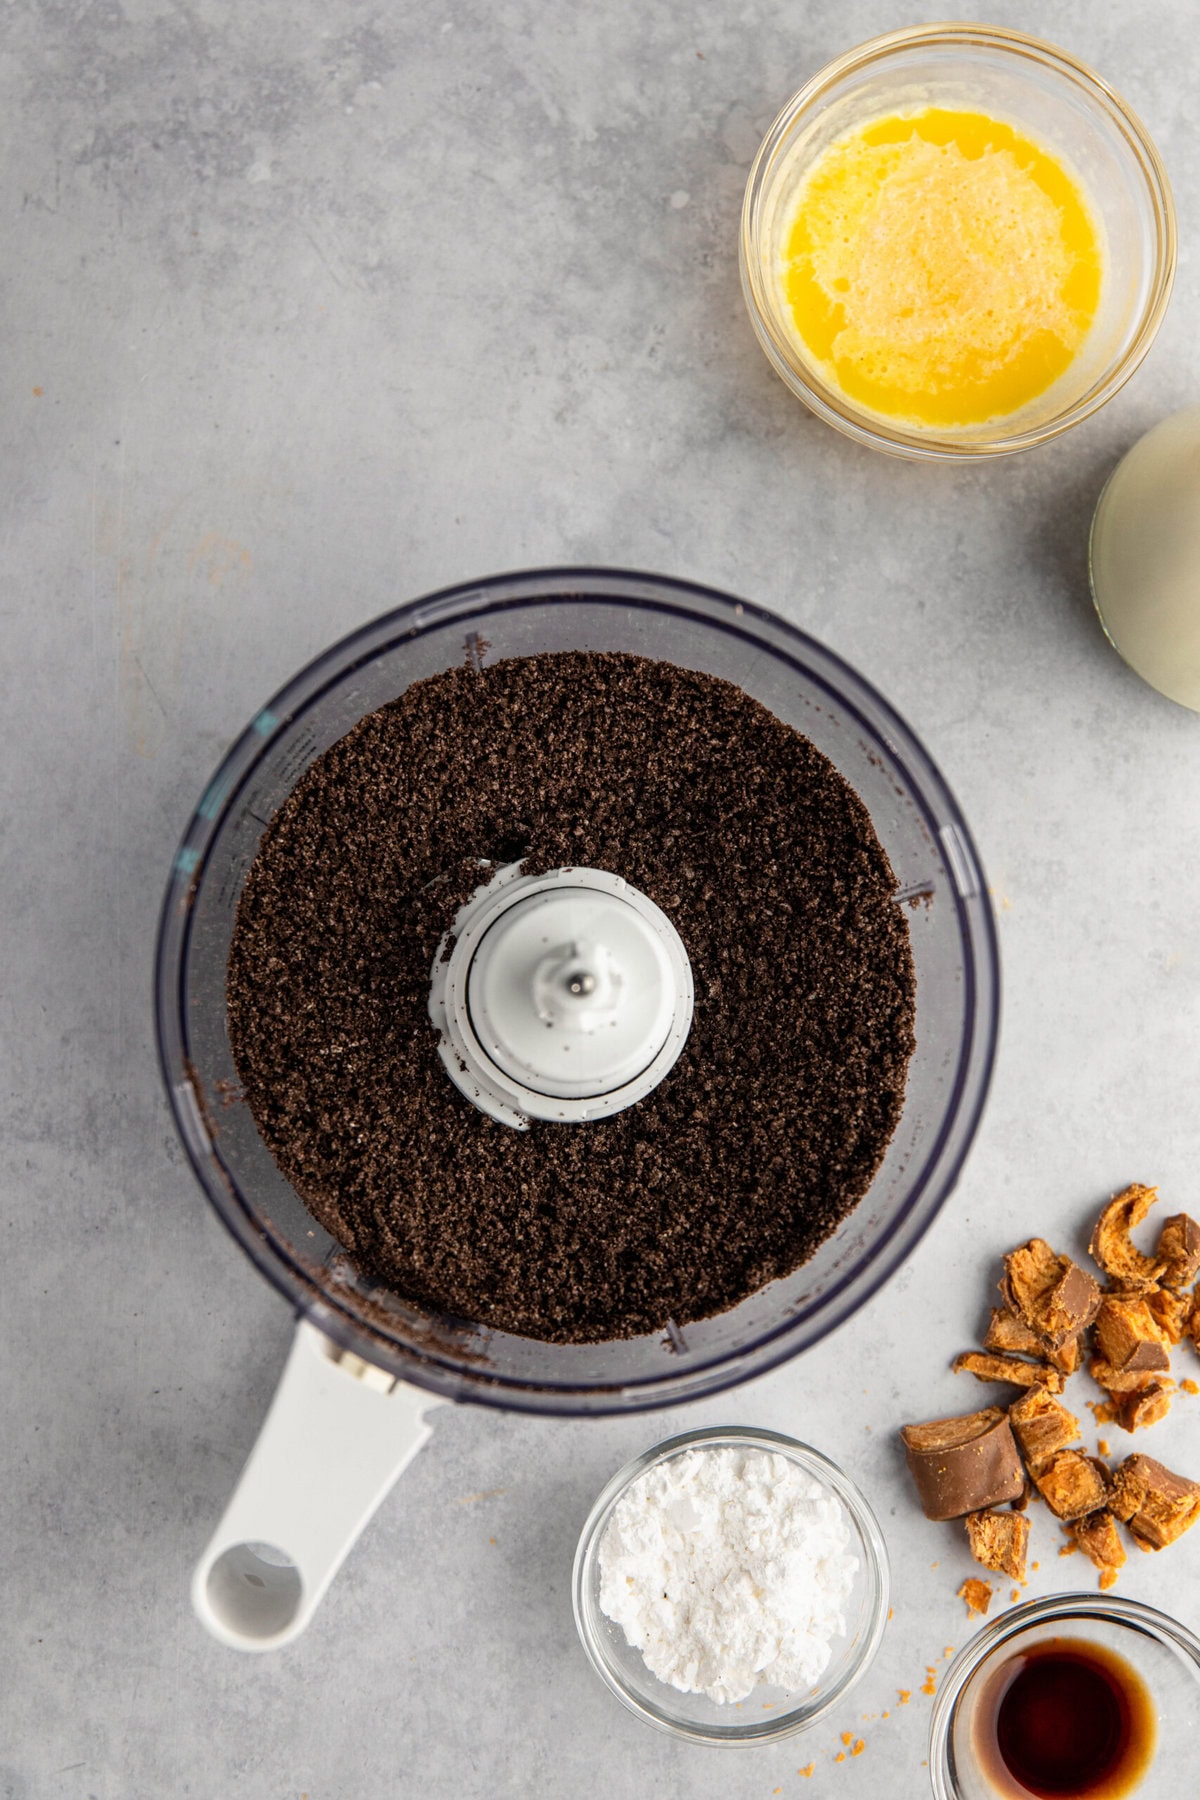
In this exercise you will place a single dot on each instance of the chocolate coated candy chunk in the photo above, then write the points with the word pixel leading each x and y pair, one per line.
pixel 1011 1336
pixel 1073 1303
pixel 1128 1337
pixel 1052 1294
pixel 1073 1485
pixel 1121 1261
pixel 1170 1311
pixel 1156 1504
pixel 1145 1406
pixel 1179 1250
pixel 963 1464
pixel 1042 1427
pixel 1013 1369
pixel 1100 1541
pixel 1118 1381
pixel 1067 1356
pixel 999 1541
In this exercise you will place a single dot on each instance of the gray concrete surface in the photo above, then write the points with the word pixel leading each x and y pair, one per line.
pixel 312 308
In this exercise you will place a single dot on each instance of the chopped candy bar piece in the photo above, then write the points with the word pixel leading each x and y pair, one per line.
pixel 1179 1251
pixel 1073 1303
pixel 1100 1541
pixel 988 1367
pixel 1009 1334
pixel 1073 1484
pixel 1157 1505
pixel 963 1464
pixel 1031 1273
pixel 1053 1295
pixel 1125 1265
pixel 999 1540
pixel 1068 1355
pixel 1128 1337
pixel 1041 1426
pixel 1170 1311
pixel 1145 1406
pixel 1118 1381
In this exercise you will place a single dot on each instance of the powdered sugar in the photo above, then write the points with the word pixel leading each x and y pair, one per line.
pixel 727 1567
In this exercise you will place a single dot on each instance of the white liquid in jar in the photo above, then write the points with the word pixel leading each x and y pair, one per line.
pixel 1145 558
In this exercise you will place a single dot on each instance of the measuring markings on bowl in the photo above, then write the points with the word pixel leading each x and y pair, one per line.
pixel 959 861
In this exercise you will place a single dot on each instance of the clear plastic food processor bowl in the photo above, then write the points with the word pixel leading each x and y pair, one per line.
pixel 954 950
pixel 918 822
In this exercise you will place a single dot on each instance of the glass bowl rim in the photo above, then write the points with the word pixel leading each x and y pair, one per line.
pixel 1106 1608
pixel 870 1539
pixel 432 1368
pixel 864 427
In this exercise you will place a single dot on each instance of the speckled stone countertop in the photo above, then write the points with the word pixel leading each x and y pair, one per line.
pixel 310 309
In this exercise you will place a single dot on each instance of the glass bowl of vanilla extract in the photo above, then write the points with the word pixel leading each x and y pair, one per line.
pixel 1072 1697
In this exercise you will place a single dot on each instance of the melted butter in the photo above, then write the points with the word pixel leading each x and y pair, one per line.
pixel 940 268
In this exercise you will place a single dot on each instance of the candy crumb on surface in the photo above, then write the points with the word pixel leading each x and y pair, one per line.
pixel 977 1595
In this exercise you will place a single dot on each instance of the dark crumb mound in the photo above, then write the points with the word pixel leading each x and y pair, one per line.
pixel 765 1134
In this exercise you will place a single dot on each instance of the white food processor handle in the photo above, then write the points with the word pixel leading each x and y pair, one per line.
pixel 337 1435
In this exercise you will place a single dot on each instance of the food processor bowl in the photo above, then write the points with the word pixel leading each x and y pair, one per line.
pixel 938 877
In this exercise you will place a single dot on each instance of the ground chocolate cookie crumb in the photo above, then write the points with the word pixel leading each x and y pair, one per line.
pixel 770 1126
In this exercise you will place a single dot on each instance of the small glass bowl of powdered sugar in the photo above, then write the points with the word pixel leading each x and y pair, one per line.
pixel 731 1586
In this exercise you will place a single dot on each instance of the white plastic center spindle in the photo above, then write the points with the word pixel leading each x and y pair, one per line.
pixel 578 986
pixel 565 996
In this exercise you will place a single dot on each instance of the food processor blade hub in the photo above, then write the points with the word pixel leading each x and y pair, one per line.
pixel 564 996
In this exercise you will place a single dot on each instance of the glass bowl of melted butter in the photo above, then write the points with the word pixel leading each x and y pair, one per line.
pixel 956 241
